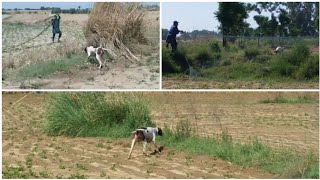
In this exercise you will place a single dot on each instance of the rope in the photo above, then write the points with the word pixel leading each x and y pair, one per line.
pixel 30 38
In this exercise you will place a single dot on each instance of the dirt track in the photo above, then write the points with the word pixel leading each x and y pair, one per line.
pixel 24 144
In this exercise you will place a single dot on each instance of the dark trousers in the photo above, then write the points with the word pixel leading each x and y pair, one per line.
pixel 54 34
pixel 173 43
pixel 55 31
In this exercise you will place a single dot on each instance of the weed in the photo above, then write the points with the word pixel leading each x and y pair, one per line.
pixel 49 67
pixel 44 174
pixel 252 154
pixel 29 161
pixel 113 115
pixel 77 176
pixel 81 166
pixel 300 99
pixel 103 174
pixel 61 166
pixel 100 145
pixel 43 154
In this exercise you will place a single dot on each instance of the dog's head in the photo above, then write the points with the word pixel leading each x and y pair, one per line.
pixel 99 51
pixel 160 133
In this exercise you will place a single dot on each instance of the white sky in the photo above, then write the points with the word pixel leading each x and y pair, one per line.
pixel 196 16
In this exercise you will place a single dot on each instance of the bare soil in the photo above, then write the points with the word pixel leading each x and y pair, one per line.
pixel 284 125
pixel 24 144
pixel 121 73
pixel 188 83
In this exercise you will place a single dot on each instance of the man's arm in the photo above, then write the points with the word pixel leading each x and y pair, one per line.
pixel 178 31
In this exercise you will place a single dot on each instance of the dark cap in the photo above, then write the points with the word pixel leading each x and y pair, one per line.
pixel 175 22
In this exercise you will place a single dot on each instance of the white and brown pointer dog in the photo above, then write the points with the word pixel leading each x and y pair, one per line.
pixel 146 135
pixel 99 51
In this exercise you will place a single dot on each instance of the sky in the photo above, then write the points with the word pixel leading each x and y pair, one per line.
pixel 37 5
pixel 196 16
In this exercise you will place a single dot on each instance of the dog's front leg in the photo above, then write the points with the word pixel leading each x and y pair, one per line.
pixel 100 63
pixel 132 145
pixel 155 145
pixel 145 148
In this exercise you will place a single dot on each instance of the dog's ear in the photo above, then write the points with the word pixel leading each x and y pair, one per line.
pixel 85 49
pixel 99 51
pixel 160 133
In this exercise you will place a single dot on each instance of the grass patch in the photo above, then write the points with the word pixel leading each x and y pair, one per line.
pixel 212 62
pixel 18 172
pixel 93 114
pixel 283 162
pixel 47 68
pixel 300 99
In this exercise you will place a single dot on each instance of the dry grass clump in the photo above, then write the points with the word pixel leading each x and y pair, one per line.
pixel 117 26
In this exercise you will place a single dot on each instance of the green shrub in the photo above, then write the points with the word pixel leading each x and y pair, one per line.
pixel 168 64
pixel 281 66
pixel 203 58
pixel 283 162
pixel 299 54
pixel 95 114
pixel 309 69
pixel 262 58
pixel 251 53
pixel 214 47
pixel 300 99
pixel 47 68
pixel 226 63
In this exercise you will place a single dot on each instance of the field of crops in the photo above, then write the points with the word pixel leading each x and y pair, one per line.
pixel 34 63
pixel 281 120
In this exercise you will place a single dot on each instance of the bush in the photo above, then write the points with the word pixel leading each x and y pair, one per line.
pixel 251 54
pixel 283 162
pixel 203 58
pixel 309 69
pixel 184 130
pixel 168 64
pixel 281 66
pixel 95 114
pixel 214 46
pixel 299 54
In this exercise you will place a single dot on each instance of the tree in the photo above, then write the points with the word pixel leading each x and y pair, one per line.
pixel 273 25
pixel 231 16
pixel 317 17
pixel 295 18
pixel 263 23
pixel 284 21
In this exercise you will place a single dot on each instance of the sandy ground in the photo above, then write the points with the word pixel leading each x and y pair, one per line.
pixel 187 83
pixel 121 74
pixel 241 114
pixel 25 145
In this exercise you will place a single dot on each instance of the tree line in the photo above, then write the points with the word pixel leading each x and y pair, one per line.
pixel 288 19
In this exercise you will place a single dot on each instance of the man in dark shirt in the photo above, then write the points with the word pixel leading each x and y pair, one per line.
pixel 55 22
pixel 172 35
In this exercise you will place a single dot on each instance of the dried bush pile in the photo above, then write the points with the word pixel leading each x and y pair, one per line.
pixel 117 26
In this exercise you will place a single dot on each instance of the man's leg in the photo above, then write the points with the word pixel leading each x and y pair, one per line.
pixel 60 34
pixel 174 45
pixel 53 35
pixel 167 43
